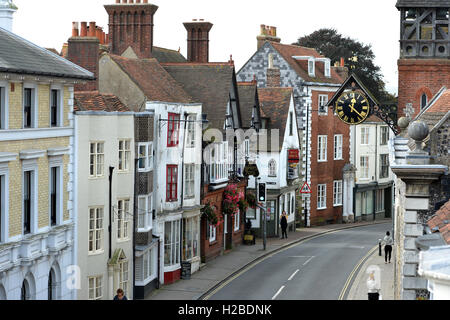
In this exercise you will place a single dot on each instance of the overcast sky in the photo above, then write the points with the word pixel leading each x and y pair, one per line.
pixel 48 23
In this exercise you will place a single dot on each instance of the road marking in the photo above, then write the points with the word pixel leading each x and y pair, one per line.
pixel 293 275
pixel 308 261
pixel 279 291
pixel 347 283
pixel 300 257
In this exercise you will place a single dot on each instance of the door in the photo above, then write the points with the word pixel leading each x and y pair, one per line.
pixel 272 219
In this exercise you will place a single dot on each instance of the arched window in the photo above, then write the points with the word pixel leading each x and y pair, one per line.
pixel 25 291
pixel 423 101
pixel 51 285
pixel 272 168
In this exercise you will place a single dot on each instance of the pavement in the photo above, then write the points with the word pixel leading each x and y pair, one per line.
pixel 217 271
pixel 358 290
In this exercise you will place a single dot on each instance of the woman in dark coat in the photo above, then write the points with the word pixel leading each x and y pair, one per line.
pixel 283 225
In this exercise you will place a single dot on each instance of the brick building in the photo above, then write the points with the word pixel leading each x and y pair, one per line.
pixel 324 141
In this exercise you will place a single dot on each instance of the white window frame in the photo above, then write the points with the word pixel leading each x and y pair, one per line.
pixel 384 135
pixel 59 108
pixel 322 102
pixel 364 166
pixel 147 156
pixel 123 207
pixel 321 196
pixel 175 228
pixel 365 136
pixel 124 269
pixel 338 142
pixel 98 156
pixel 31 165
pixel 34 105
pixel 97 231
pixel 237 221
pixel 96 280
pixel 57 163
pixel 189 181
pixel 327 68
pixel 190 131
pixel 311 67
pixel 272 168
pixel 4 181
pixel 192 225
pixel 145 214
pixel 125 155
pixel 337 193
pixel 386 156
pixel 212 233
pixel 4 109
pixel 322 147
pixel 146 267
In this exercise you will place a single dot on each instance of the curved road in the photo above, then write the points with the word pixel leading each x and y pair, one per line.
pixel 316 269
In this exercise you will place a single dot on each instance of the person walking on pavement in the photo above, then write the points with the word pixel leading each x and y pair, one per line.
pixel 283 225
pixel 120 295
pixel 388 242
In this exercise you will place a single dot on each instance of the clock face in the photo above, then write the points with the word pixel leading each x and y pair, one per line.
pixel 352 108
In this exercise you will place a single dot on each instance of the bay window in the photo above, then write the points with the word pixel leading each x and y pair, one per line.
pixel 145 214
pixel 172 243
pixel 191 238
pixel 145 151
pixel 146 266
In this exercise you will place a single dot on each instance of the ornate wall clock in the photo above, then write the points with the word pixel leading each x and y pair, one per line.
pixel 352 107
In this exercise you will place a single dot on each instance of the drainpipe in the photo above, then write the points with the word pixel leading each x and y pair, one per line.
pixel 135 213
pixel 182 185
pixel 111 171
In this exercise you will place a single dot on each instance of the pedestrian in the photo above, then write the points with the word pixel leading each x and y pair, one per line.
pixel 388 242
pixel 248 225
pixel 283 225
pixel 120 295
pixel 373 288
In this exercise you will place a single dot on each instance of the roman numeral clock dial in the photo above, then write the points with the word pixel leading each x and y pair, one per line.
pixel 352 108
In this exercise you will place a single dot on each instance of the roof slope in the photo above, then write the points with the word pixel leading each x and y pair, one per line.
pixel 275 103
pixel 440 222
pixel 438 107
pixel 153 80
pixel 208 83
pixel 247 100
pixel 94 101
pixel 301 67
pixel 18 55
pixel 164 55
pixel 423 3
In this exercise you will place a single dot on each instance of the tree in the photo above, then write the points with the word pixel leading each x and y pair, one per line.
pixel 359 58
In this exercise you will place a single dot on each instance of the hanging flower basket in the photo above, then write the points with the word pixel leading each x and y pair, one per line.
pixel 251 200
pixel 231 199
pixel 210 213
pixel 243 205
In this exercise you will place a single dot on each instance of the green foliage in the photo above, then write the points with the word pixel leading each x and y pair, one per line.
pixel 331 44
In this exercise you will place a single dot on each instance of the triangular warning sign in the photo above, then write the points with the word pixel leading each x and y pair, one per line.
pixel 305 188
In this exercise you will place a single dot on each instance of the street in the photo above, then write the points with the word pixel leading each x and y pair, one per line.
pixel 313 270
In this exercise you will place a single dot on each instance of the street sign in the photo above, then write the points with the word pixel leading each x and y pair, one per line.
pixel 305 189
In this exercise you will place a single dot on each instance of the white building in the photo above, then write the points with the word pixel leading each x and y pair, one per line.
pixel 105 168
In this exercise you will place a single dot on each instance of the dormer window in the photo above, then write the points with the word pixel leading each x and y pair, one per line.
pixel 327 70
pixel 311 68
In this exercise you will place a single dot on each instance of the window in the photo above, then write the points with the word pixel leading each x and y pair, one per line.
pixel 379 203
pixel 122 219
pixel 364 164
pixel 28 102
pixel 189 181
pixel 384 135
pixel 172 183
pixel 191 238
pixel 55 108
pixel 311 68
pixel 322 149
pixel 3 111
pixel 95 230
pixel 172 243
pixel 288 204
pixel 145 162
pixel 291 123
pixel 95 288
pixel 190 139
pixel 212 233
pixel 384 166
pixel 145 212
pixel 96 159
pixel 55 193
pixel 237 220
pixel 124 155
pixel 272 168
pixel 327 71
pixel 146 267
pixel 3 203
pixel 337 193
pixel 28 200
pixel 365 135
pixel 123 276
pixel 423 101
pixel 247 147
pixel 338 146
pixel 173 128
pixel 323 100
pixel 293 205
pixel 322 196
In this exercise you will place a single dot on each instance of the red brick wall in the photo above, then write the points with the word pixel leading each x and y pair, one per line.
pixel 418 76
pixel 84 51
pixel 331 170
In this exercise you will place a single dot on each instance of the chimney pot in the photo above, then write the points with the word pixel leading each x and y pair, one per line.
pixel 74 29
pixel 342 62
pixel 83 32
pixel 145 1
pixel 117 1
pixel 91 29
pixel 138 1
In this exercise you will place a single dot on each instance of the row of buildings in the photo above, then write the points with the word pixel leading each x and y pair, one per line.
pixel 118 158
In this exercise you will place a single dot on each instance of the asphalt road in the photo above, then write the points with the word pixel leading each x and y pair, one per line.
pixel 313 270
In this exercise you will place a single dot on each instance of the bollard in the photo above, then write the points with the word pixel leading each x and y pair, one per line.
pixel 379 248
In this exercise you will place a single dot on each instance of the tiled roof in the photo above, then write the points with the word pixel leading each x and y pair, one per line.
pixel 209 84
pixel 275 103
pixel 247 97
pixel 442 105
pixel 441 222
pixel 164 55
pixel 94 101
pixel 153 80
pixel 423 3
pixel 301 66
pixel 20 56
pixel 437 108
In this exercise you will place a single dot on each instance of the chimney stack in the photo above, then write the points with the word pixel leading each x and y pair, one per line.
pixel 273 75
pixel 267 34
pixel 341 69
pixel 131 25
pixel 198 40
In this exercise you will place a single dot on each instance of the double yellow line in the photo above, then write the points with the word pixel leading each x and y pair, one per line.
pixel 349 280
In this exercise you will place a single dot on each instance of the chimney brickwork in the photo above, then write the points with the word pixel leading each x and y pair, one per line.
pixel 267 34
pixel 198 40
pixel 131 25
